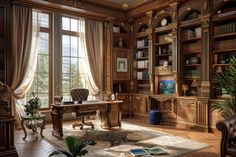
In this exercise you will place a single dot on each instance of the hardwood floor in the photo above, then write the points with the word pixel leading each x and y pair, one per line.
pixel 35 146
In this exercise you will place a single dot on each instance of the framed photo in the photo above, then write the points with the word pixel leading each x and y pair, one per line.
pixel 122 65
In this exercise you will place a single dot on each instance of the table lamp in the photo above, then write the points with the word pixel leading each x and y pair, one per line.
pixel 194 85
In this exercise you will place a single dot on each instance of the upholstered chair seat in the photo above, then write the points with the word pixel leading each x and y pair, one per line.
pixel 228 139
pixel 79 95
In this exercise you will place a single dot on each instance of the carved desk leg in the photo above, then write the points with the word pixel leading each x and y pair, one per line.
pixel 23 127
pixel 57 115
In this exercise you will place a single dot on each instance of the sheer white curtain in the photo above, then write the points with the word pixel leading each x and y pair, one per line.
pixel 85 66
pixel 25 65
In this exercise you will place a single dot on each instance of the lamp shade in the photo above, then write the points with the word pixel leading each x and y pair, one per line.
pixel 194 83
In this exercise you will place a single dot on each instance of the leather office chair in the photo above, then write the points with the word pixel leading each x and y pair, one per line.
pixel 228 138
pixel 81 94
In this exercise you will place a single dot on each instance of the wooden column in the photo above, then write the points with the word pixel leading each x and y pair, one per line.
pixel 150 51
pixel 175 55
pixel 108 55
pixel 205 85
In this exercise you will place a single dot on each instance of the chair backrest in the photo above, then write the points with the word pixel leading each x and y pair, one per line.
pixel 79 94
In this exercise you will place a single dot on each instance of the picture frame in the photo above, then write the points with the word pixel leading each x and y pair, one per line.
pixel 122 65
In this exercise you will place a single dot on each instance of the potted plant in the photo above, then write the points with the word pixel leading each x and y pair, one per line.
pixel 227 81
pixel 75 147
pixel 33 105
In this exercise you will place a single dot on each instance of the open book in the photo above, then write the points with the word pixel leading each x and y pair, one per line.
pixel 156 151
pixel 148 151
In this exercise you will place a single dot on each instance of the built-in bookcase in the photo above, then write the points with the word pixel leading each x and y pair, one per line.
pixel 190 58
pixel 121 57
pixel 223 42
pixel 142 61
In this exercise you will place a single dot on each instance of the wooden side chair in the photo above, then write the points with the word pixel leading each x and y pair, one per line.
pixel 81 94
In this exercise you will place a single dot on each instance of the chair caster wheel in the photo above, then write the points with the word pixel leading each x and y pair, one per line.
pixel 73 127
pixel 81 128
pixel 93 127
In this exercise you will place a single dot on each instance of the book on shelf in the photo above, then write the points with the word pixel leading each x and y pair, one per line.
pixel 142 64
pixel 142 43
pixel 225 28
pixel 142 75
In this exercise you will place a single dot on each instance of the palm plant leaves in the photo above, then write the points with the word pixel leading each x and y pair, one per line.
pixel 227 81
pixel 75 147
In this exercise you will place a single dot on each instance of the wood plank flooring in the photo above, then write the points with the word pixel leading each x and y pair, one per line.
pixel 35 146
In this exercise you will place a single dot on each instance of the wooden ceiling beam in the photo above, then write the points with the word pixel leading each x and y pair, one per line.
pixel 74 8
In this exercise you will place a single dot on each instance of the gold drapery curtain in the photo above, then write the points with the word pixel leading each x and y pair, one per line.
pixel 24 57
pixel 94 45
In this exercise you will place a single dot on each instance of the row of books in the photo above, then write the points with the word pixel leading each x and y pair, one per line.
pixel 142 75
pixel 194 47
pixel 192 74
pixel 143 64
pixel 225 28
pixel 142 43
pixel 141 54
pixel 226 44
pixel 192 33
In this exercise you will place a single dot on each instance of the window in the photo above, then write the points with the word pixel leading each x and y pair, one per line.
pixel 40 84
pixel 71 57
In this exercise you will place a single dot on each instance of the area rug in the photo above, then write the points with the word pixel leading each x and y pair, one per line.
pixel 117 142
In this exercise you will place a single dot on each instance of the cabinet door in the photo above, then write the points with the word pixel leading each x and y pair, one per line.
pixel 168 109
pixel 202 116
pixel 139 105
pixel 186 110
pixel 125 106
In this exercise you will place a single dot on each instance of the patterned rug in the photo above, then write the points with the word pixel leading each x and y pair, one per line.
pixel 116 142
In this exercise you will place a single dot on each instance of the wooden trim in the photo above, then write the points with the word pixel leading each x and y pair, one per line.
pixel 85 12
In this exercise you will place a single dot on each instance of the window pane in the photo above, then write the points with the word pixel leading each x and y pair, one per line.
pixel 65 83
pixel 43 63
pixel 74 46
pixel 65 65
pixel 42 83
pixel 65 23
pixel 74 26
pixel 74 65
pixel 44 99
pixel 66 97
pixel 44 20
pixel 65 45
pixel 74 80
pixel 43 42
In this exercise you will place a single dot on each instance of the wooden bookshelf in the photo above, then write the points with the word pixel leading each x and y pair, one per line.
pixel 121 55
pixel 223 44
pixel 190 56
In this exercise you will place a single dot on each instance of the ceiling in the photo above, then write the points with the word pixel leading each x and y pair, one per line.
pixel 120 4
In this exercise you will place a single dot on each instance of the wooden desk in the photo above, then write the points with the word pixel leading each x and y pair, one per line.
pixel 110 113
